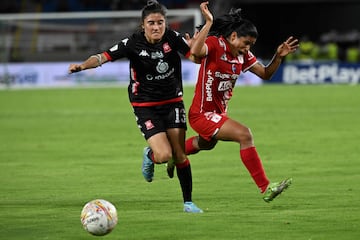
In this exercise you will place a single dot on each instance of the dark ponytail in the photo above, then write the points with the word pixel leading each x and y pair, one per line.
pixel 233 22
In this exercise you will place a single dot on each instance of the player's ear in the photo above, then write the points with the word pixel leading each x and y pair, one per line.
pixel 233 36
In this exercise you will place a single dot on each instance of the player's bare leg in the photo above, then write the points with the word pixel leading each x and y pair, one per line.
pixel 159 151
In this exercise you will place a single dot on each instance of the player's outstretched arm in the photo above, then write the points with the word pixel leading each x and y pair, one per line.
pixel 285 48
pixel 92 62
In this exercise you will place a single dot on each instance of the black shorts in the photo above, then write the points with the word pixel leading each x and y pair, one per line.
pixel 153 120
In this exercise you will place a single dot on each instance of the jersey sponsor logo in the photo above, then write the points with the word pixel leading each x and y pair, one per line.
pixel 166 75
pixel 156 55
pixel 225 85
pixel 150 77
pixel 166 47
pixel 144 53
pixel 208 86
pixel 226 76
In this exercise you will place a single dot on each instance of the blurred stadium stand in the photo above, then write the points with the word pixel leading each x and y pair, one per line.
pixel 323 21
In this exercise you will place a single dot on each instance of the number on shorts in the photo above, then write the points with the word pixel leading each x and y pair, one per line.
pixel 180 116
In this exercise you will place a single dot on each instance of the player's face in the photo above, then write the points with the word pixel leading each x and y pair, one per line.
pixel 240 45
pixel 154 27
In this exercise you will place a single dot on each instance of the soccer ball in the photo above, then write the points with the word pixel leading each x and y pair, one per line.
pixel 99 217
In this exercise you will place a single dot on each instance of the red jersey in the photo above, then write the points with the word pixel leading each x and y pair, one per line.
pixel 217 76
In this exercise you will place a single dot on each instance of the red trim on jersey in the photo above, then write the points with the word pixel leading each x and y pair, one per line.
pixel 108 57
pixel 153 104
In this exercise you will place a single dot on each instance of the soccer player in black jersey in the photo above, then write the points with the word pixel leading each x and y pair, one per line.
pixel 155 92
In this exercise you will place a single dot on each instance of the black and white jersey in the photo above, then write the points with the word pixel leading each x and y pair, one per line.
pixel 155 69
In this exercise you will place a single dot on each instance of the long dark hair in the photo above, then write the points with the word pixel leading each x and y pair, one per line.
pixel 233 22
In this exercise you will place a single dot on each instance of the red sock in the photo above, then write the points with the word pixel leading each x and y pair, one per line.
pixel 183 165
pixel 252 162
pixel 189 147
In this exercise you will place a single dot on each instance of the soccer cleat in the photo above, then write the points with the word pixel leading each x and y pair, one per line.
pixel 147 166
pixel 170 167
pixel 274 189
pixel 190 207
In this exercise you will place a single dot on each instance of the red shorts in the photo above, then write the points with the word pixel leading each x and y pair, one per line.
pixel 207 124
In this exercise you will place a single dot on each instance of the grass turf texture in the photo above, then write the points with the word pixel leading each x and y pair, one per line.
pixel 63 147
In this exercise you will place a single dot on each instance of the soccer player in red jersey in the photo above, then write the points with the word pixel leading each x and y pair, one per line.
pixel 155 92
pixel 224 45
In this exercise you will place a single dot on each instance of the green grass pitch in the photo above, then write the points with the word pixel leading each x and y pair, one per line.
pixel 60 148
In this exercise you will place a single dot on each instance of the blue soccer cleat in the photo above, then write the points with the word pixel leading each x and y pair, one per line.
pixel 147 166
pixel 190 207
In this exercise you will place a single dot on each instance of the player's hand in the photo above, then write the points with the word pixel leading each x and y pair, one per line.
pixel 74 68
pixel 206 12
pixel 289 46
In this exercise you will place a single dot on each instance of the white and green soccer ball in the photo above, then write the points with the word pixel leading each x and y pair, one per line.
pixel 99 217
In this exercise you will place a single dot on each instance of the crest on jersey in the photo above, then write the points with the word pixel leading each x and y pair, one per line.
pixel 162 66
pixel 166 47
pixel 233 68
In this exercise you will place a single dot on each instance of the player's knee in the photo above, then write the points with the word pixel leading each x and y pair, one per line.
pixel 179 157
pixel 162 156
pixel 246 137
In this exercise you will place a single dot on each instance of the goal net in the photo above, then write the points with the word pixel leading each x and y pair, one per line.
pixel 36 48
pixel 38 37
